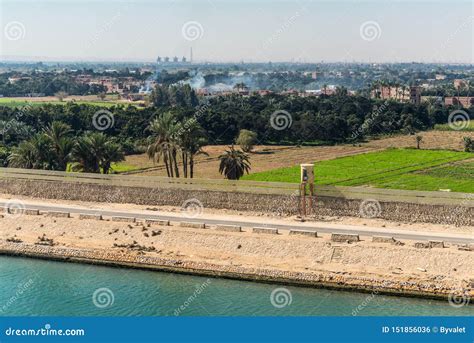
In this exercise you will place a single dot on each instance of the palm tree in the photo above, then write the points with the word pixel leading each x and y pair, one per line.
pixel 58 134
pixel 192 139
pixel 36 153
pixel 234 164
pixel 165 133
pixel 23 156
pixel 112 152
pixel 94 153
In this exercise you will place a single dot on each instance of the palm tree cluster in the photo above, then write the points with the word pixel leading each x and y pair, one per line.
pixel 55 149
pixel 176 143
pixel 234 164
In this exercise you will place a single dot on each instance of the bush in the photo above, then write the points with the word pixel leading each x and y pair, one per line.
pixel 468 144
pixel 247 139
pixel 3 156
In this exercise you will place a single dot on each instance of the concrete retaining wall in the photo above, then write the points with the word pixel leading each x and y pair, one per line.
pixel 193 225
pixel 337 237
pixel 286 205
pixel 157 222
pixel 58 214
pixel 304 233
pixel 229 228
pixel 124 219
pixel 266 230
pixel 90 216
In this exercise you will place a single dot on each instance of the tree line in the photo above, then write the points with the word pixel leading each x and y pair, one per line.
pixel 178 124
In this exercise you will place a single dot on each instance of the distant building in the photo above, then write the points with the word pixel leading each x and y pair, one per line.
pixel 459 83
pixel 415 95
pixel 464 101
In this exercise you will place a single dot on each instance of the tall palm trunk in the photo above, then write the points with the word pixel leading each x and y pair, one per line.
pixel 175 163
pixel 170 157
pixel 191 165
pixel 184 156
pixel 165 159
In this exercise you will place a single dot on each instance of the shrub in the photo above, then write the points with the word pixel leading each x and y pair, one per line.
pixel 468 144
pixel 247 139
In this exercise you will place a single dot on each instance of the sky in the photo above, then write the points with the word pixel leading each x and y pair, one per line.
pixel 234 31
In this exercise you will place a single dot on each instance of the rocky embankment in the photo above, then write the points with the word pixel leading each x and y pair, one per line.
pixel 431 287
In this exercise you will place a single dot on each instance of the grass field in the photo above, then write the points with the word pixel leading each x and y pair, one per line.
pixel 445 127
pixel 413 169
pixel 90 100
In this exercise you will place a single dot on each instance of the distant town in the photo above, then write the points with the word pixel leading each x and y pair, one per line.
pixel 403 82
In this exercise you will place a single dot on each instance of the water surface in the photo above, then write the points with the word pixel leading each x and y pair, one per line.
pixel 47 288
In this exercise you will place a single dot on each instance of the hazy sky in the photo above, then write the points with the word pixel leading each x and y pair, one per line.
pixel 220 30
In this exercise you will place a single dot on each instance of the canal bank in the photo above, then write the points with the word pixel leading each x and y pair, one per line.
pixel 422 288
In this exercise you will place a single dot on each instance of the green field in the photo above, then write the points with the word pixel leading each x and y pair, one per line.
pixel 411 169
pixel 12 102
pixel 445 127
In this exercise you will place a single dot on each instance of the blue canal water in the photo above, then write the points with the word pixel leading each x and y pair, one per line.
pixel 46 288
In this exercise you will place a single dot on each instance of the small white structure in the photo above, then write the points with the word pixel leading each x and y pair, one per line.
pixel 307 178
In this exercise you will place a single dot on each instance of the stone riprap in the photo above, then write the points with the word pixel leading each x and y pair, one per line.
pixel 278 204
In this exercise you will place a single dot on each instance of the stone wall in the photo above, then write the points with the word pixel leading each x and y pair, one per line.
pixel 284 205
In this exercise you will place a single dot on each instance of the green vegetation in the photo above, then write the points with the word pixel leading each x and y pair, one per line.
pixel 55 149
pixel 234 164
pixel 171 138
pixel 446 127
pixel 393 168
pixel 14 102
pixel 246 139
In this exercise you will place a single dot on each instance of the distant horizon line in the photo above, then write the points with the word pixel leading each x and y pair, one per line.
pixel 21 59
